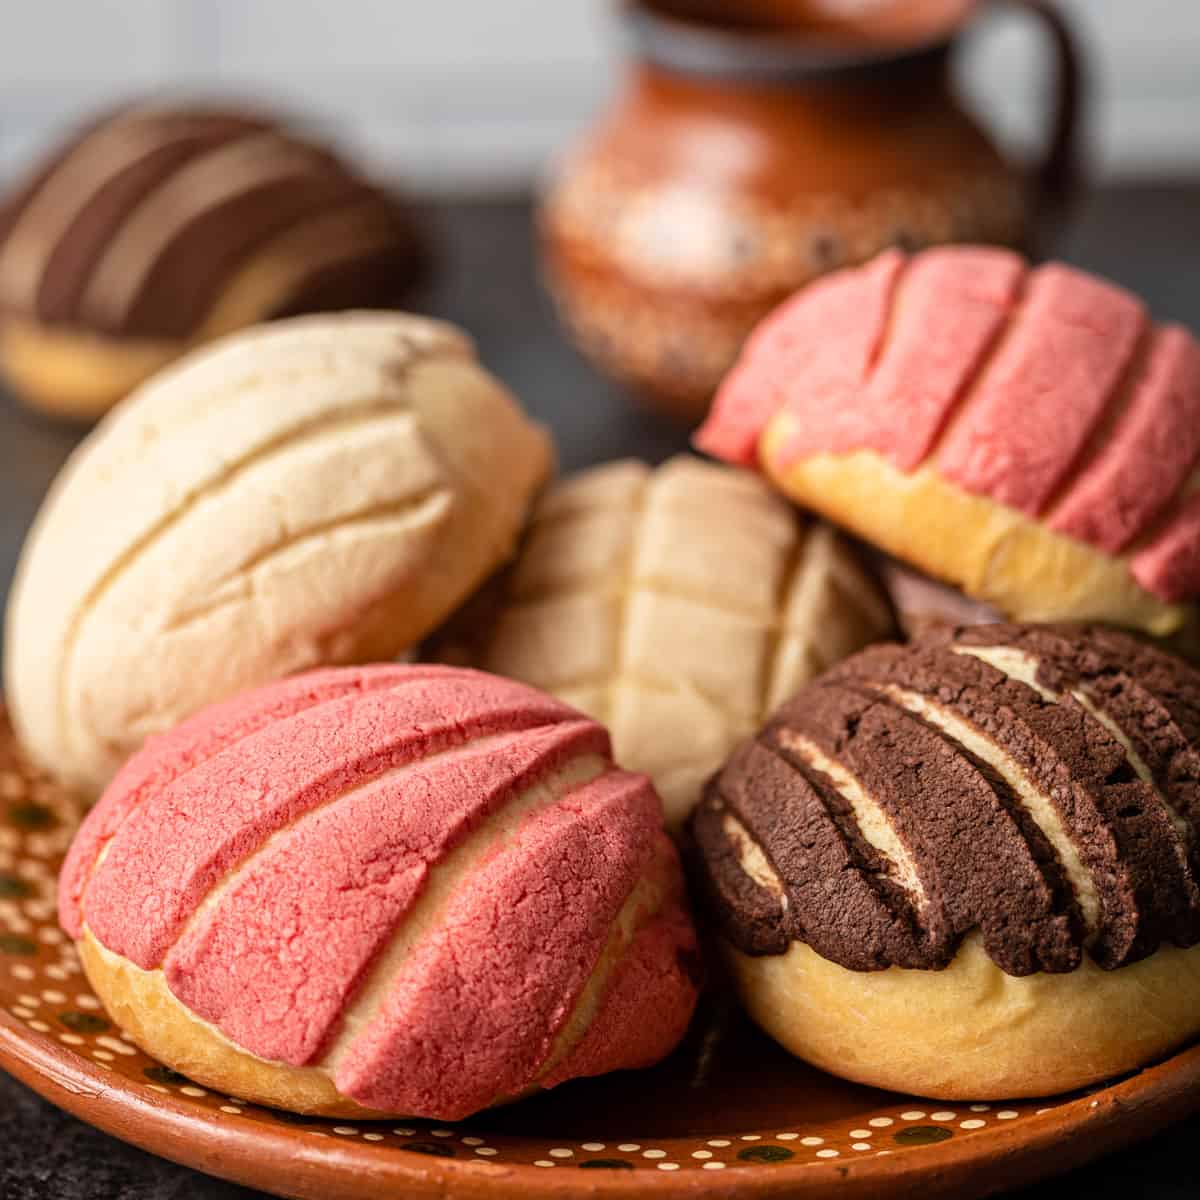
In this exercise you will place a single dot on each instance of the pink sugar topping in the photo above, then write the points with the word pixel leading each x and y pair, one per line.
pixel 266 853
pixel 1047 390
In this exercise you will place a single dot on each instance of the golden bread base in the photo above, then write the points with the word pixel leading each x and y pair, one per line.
pixel 76 375
pixel 971 1032
pixel 141 1004
pixel 994 553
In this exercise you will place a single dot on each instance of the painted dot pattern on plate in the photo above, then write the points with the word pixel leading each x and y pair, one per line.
pixel 44 994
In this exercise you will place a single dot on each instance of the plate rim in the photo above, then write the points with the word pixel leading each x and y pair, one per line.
pixel 1071 1133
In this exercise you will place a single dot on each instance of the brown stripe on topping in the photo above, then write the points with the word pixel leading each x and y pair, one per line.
pixel 209 250
pixel 897 886
pixel 858 814
pixel 361 254
pixel 1150 701
pixel 369 268
pixel 975 867
pixel 1060 931
pixel 839 897
pixel 747 912
pixel 71 261
pixel 1117 825
pixel 231 208
pixel 1035 817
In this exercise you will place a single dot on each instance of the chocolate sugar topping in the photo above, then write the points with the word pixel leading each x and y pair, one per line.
pixel 139 225
pixel 1039 785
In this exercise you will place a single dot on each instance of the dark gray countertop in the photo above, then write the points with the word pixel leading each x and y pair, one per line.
pixel 1146 237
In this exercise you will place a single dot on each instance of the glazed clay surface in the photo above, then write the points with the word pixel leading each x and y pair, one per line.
pixel 737 165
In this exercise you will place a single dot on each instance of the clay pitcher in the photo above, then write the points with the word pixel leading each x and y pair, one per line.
pixel 754 147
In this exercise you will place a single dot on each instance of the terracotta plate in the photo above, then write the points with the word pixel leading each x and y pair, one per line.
pixel 728 1115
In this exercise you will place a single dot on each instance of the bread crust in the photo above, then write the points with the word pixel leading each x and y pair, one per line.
pixel 994 553
pixel 73 374
pixel 142 1005
pixel 971 1032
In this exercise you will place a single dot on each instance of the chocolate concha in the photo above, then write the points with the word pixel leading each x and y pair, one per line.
pixel 313 491
pixel 160 227
pixel 1026 434
pixel 391 890
pixel 678 605
pixel 967 868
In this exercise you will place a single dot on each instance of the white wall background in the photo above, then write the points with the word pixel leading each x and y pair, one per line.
pixel 474 94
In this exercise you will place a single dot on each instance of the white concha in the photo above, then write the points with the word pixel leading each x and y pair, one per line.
pixel 320 490
pixel 678 605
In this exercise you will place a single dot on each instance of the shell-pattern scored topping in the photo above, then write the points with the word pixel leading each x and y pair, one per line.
pixel 1039 784
pixel 427 882
pixel 313 491
pixel 676 605
pixel 185 223
pixel 1045 389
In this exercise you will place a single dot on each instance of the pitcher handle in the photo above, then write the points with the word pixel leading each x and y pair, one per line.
pixel 1057 177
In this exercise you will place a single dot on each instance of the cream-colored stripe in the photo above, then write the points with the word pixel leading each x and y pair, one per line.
pixel 752 859
pixel 1039 806
pixel 275 272
pixel 873 825
pixel 425 917
pixel 201 185
pixel 1016 664
pixel 70 188
pixel 643 904
pixel 1019 665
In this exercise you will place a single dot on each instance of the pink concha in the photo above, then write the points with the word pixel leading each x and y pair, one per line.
pixel 1045 389
pixel 407 875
